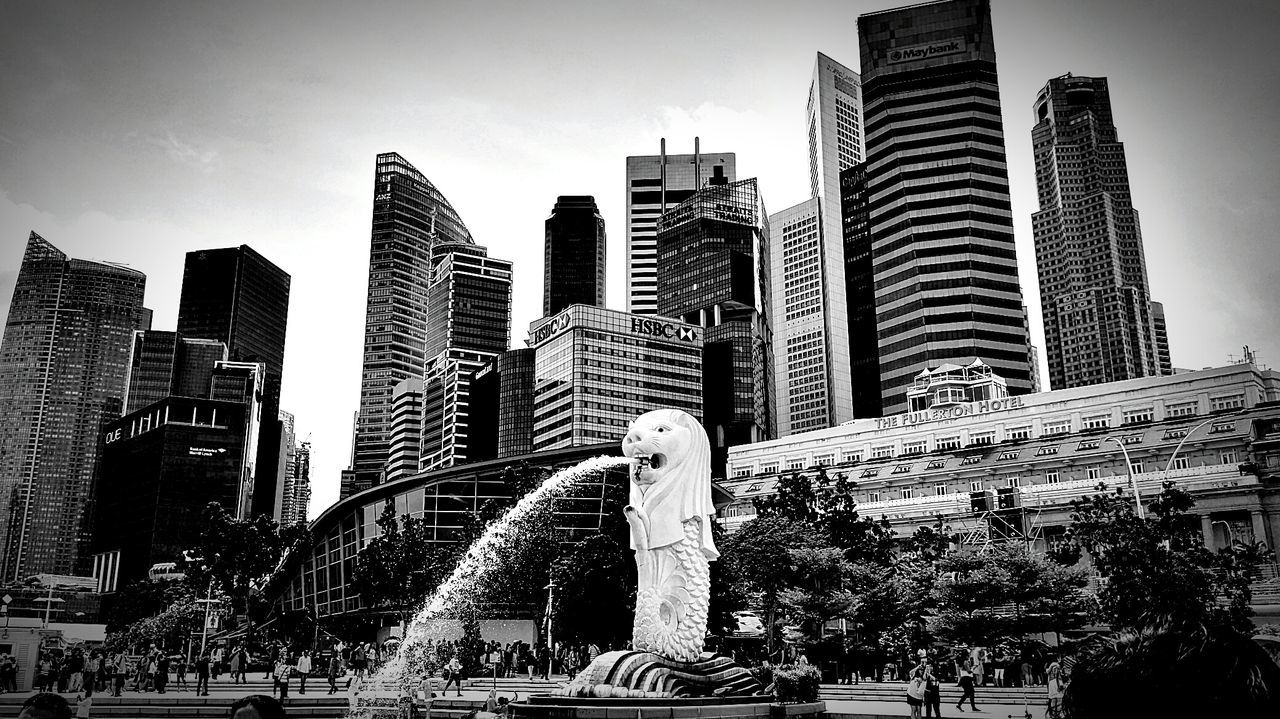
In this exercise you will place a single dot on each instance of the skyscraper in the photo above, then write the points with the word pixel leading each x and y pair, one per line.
pixel 713 272
pixel 166 364
pixel 944 264
pixel 406 429
pixel 63 364
pixel 410 216
pixel 1099 322
pixel 656 183
pixel 573 267
pixel 238 297
pixel 810 317
pixel 860 292
pixel 501 410
pixel 468 324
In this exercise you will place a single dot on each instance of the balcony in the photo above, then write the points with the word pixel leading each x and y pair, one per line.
pixel 1192 479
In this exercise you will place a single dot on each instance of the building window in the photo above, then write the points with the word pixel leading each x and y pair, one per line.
pixel 982 438
pixel 936 464
pixel 902 469
pixel 1219 404
pixel 1136 467
pixel 971 459
pixel 946 443
pixel 1088 444
pixel 1180 463
pixel 1014 481
pixel 1228 457
pixel 882 452
pixel 1094 473
pixel 771 468
pixel 795 464
pixel 873 497
pixel 869 473
pixel 1019 433
pixel 1047 449
pixel 908 492
pixel 1008 455
pixel 851 455
pixel 1137 416
pixel 1175 433
pixel 1051 477
pixel 915 448
pixel 1098 421
pixel 1222 427
pixel 754 487
pixel 1131 439
pixel 741 471
pixel 824 460
pixel 975 486
pixel 1059 426
pixel 1182 409
pixel 939 490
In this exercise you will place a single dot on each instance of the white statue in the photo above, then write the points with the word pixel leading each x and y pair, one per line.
pixel 670 517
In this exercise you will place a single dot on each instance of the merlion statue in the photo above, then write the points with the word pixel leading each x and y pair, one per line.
pixel 670 517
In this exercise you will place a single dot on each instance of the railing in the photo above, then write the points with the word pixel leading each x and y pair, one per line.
pixel 1192 478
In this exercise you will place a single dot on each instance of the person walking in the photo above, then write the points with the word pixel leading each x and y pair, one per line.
pixel 304 670
pixel 281 671
pixel 335 667
pixel 426 691
pixel 203 667
pixel 237 665
pixel 161 680
pixel 454 676
pixel 966 684
pixel 1053 678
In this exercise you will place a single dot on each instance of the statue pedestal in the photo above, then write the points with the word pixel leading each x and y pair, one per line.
pixel 644 675
pixel 558 707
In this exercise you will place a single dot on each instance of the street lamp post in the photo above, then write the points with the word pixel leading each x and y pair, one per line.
pixel 551 646
pixel 1133 481
pixel 1183 441
pixel 208 602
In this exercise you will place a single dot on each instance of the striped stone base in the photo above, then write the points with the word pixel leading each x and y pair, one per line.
pixel 644 675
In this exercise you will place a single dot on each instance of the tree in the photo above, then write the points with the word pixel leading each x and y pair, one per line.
pixel 241 556
pixel 982 599
pixel 595 592
pixel 793 498
pixel 758 559
pixel 1157 568
pixel 403 565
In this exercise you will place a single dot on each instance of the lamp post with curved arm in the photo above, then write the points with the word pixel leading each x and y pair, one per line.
pixel 1183 441
pixel 1133 481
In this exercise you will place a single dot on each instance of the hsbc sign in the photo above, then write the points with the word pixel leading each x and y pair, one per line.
pixel 666 330
pixel 545 332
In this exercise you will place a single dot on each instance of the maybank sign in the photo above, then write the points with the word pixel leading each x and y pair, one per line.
pixel 926 51
pixel 985 406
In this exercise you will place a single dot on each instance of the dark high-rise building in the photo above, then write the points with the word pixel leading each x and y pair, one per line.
pixel 860 292
pixel 501 418
pixel 410 217
pixel 468 323
pixel 240 298
pixel 63 367
pixel 655 184
pixel 166 364
pixel 573 267
pixel 1162 338
pixel 163 464
pixel 713 272
pixel 1099 323
pixel 944 264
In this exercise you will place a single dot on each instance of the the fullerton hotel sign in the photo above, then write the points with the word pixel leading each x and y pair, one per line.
pixel 972 409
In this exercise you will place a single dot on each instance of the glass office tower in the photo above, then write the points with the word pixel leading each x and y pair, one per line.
pixel 573 267
pixel 63 367
pixel 944 263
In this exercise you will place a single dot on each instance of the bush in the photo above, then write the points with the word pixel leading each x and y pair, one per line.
pixel 796 683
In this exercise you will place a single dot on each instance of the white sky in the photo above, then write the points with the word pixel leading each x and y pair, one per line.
pixel 135 132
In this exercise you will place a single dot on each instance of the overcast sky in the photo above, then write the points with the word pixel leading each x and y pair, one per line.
pixel 135 132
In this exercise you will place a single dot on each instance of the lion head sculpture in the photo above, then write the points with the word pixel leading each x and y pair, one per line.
pixel 671 481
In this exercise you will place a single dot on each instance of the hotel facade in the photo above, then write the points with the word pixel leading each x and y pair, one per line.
pixel 1009 467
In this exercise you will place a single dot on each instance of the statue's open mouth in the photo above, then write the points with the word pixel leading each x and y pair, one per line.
pixel 650 461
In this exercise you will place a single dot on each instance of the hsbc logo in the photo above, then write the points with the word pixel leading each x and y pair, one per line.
pixel 666 330
pixel 548 330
